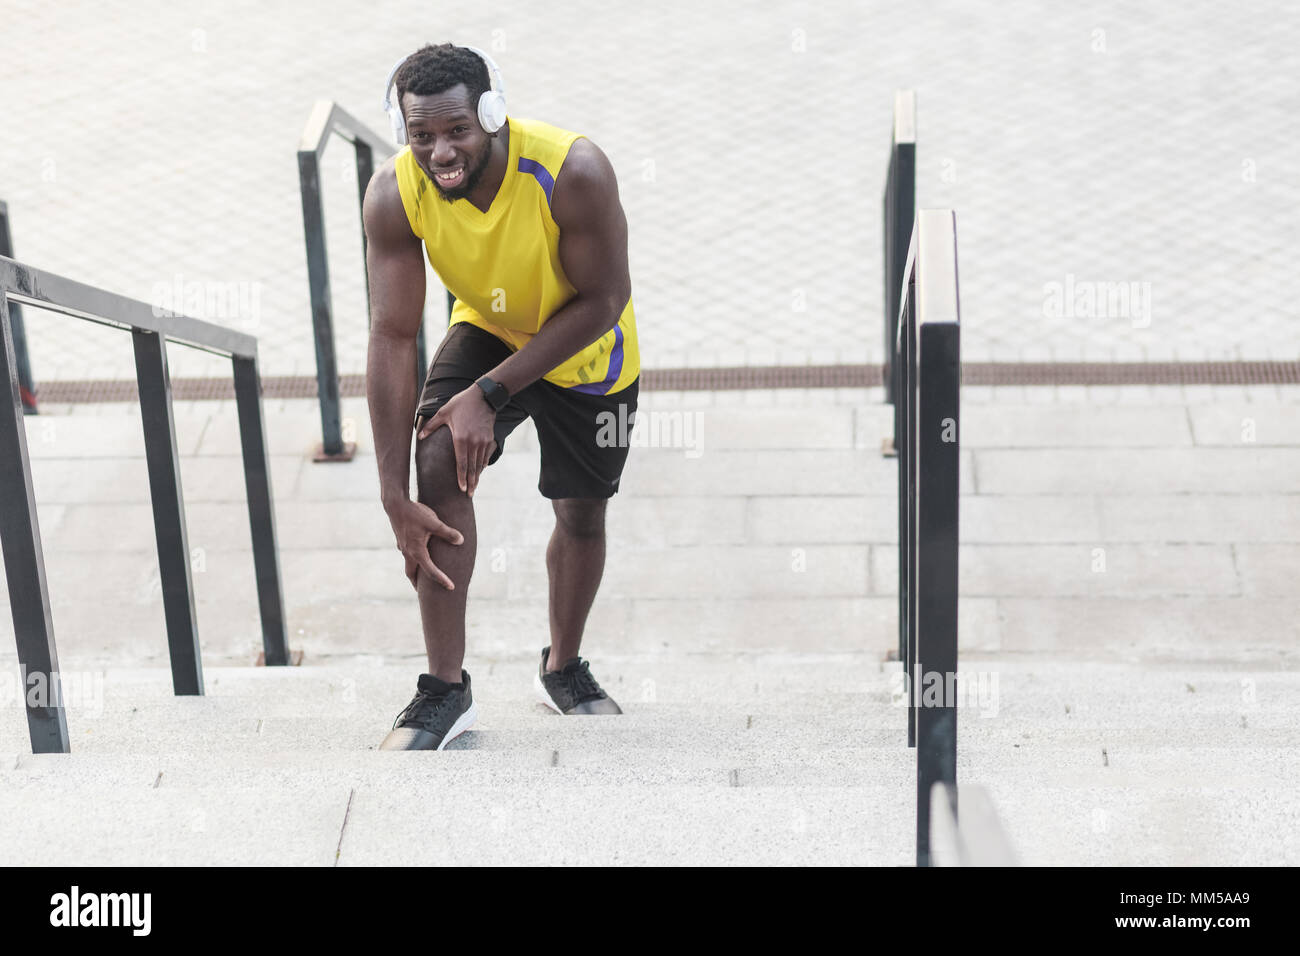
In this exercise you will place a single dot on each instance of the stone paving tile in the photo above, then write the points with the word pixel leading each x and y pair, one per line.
pixel 1090 149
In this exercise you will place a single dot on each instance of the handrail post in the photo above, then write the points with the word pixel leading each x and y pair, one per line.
pixel 332 446
pixel 327 119
pixel 365 158
pixel 26 387
pixel 899 213
pixel 905 415
pixel 261 513
pixel 168 510
pixel 20 536
pixel 935 389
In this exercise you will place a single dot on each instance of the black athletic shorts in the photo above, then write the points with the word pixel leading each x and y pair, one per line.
pixel 578 458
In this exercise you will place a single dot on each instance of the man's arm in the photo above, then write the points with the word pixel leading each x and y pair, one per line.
pixel 396 275
pixel 395 265
pixel 593 252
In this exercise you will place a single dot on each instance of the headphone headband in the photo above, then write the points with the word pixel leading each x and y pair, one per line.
pixel 495 82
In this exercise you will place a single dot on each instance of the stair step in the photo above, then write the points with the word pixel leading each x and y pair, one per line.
pixel 167 729
pixel 464 824
pixel 892 766
pixel 1234 824
pixel 1124 765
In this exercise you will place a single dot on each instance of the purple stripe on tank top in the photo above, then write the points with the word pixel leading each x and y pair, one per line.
pixel 615 369
pixel 541 173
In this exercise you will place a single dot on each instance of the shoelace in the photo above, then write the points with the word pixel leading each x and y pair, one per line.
pixel 419 710
pixel 581 685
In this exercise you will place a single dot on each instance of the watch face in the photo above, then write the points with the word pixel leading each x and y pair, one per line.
pixel 495 393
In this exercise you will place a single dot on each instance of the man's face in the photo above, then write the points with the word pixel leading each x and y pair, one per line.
pixel 447 140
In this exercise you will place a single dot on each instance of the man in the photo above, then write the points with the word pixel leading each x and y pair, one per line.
pixel 523 224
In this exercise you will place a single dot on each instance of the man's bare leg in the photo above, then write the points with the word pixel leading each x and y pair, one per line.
pixel 442 612
pixel 575 561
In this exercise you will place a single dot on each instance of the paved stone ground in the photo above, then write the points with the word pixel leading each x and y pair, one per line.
pixel 1080 144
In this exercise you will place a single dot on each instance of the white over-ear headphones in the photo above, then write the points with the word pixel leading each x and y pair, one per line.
pixel 491 104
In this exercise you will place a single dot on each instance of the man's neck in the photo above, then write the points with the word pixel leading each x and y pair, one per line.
pixel 487 190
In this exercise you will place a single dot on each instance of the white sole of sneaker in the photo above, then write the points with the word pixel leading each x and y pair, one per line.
pixel 462 724
pixel 544 697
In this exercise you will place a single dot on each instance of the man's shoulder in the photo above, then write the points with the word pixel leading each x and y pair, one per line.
pixel 586 160
pixel 586 184
pixel 384 208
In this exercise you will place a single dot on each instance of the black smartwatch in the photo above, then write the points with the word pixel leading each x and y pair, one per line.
pixel 494 392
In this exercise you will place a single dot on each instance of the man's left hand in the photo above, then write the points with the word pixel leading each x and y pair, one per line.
pixel 471 420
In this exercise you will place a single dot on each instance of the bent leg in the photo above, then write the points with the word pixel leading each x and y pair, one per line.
pixel 575 561
pixel 442 612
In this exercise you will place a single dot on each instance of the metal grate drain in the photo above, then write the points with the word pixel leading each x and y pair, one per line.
pixel 1131 373
pixel 756 376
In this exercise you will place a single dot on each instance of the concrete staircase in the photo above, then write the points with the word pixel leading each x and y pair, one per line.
pixel 743 625
pixel 744 759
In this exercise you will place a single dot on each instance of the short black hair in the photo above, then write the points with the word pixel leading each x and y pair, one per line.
pixel 436 69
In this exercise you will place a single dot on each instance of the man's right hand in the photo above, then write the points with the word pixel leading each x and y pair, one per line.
pixel 413 525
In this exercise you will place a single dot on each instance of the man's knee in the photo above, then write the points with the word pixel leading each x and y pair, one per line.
pixel 580 517
pixel 435 468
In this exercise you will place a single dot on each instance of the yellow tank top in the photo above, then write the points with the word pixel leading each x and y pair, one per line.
pixel 503 265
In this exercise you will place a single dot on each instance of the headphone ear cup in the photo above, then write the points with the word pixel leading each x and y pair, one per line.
pixel 492 111
pixel 399 125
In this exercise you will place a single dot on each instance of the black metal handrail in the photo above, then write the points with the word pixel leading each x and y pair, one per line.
pixel 26 387
pixel 899 214
pixel 927 366
pixel 328 117
pixel 20 532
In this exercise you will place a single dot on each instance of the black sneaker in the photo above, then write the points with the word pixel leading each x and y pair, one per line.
pixel 572 689
pixel 438 713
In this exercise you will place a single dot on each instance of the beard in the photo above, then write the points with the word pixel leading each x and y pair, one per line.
pixel 474 170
